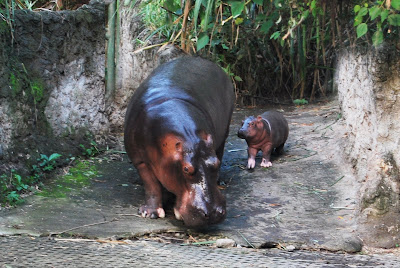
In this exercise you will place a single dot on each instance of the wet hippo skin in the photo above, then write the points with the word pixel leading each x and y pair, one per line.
pixel 265 132
pixel 175 130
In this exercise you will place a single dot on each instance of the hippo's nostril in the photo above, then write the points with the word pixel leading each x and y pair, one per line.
pixel 220 211
pixel 223 212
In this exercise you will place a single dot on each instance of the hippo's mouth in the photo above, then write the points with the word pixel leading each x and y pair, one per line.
pixel 194 217
pixel 241 134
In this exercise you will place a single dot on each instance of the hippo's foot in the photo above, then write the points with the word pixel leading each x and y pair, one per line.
pixel 251 163
pixel 265 163
pixel 178 215
pixel 152 213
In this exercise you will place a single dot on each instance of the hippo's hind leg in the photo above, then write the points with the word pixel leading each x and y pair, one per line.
pixel 220 152
pixel 153 193
pixel 266 150
pixel 279 150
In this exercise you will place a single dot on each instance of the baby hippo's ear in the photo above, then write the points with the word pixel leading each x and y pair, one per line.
pixel 260 122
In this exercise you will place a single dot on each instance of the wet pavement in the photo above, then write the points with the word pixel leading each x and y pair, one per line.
pixel 306 201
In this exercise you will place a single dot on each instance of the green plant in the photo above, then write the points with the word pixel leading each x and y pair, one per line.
pixel 15 84
pixel 12 186
pixel 28 4
pixel 277 47
pixel 36 90
pixel 382 15
pixel 14 198
pixel 300 101
pixel 7 8
pixel 19 184
pixel 91 151
pixel 48 163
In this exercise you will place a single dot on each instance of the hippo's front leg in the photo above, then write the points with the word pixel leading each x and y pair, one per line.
pixel 153 194
pixel 251 161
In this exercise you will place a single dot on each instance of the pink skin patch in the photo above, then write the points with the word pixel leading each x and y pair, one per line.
pixel 251 163
pixel 178 215
pixel 266 164
pixel 160 212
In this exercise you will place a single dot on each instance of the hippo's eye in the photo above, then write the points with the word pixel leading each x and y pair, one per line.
pixel 252 124
pixel 188 170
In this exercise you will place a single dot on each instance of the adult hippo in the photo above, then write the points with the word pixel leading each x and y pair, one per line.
pixel 175 130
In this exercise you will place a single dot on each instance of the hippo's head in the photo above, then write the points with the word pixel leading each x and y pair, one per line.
pixel 251 126
pixel 195 170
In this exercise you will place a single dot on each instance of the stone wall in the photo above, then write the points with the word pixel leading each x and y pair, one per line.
pixel 133 64
pixel 52 83
pixel 368 84
pixel 65 53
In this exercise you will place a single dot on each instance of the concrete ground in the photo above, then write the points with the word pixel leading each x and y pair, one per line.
pixel 307 200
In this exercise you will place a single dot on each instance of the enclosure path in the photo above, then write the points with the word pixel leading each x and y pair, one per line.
pixel 45 252
pixel 307 200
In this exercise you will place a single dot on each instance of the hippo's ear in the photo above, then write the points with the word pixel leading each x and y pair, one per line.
pixel 259 118
pixel 172 146
pixel 207 138
pixel 178 146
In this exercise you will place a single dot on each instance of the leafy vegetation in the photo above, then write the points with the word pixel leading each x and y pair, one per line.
pixel 13 185
pixel 300 102
pixel 91 151
pixel 11 5
pixel 273 49
pixel 384 15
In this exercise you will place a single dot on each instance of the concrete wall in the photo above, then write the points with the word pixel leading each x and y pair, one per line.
pixel 368 82
pixel 52 83
pixel 132 64
pixel 65 52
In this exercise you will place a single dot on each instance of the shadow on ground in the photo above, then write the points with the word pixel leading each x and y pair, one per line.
pixel 308 198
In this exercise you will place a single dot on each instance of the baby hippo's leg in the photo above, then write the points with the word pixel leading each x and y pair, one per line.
pixel 251 161
pixel 279 149
pixel 267 150
pixel 266 163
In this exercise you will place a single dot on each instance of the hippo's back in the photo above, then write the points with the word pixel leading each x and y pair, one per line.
pixel 279 126
pixel 193 80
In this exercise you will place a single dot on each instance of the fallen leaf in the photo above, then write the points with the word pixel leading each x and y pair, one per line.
pixel 275 205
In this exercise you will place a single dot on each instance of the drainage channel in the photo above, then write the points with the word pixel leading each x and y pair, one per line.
pixel 24 251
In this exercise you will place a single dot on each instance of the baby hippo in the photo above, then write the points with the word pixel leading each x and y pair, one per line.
pixel 267 132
